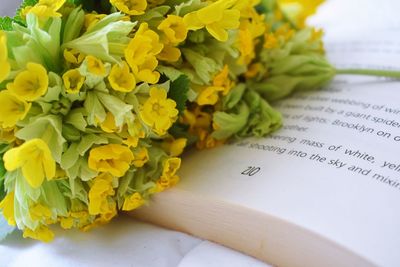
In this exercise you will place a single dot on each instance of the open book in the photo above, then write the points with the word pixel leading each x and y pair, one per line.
pixel 322 191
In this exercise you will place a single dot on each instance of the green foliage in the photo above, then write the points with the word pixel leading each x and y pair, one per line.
pixel 179 92
pixel 6 23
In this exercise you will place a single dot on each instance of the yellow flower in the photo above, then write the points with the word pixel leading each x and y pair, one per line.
pixel 174 29
pixel 171 166
pixel 30 84
pixel 222 80
pixel 108 125
pixel 299 10
pixel 42 233
pixel 159 112
pixel 73 56
pixel 95 66
pixel 73 81
pixel 141 54
pixel 66 222
pixel 141 157
pixel 44 8
pixel 5 65
pixel 169 53
pixel 91 19
pixel 217 18
pixel 209 95
pixel 99 192
pixel 12 109
pixel 34 158
pixel 131 7
pixel 175 147
pixel 7 206
pixel 271 41
pixel 121 79
pixel 253 70
pixel 132 202
pixel 39 212
pixel 246 47
pixel 7 134
pixel 112 158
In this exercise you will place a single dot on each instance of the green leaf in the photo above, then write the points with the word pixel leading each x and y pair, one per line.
pixel 5 229
pixel 178 91
pixel 6 23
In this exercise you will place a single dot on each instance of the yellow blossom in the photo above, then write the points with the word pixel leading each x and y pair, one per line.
pixel 169 53
pixel 7 206
pixel 217 18
pixel 222 80
pixel 5 65
pixel 246 47
pixel 73 81
pixel 113 158
pixel 175 147
pixel 299 10
pixel 253 70
pixel 66 222
pixel 171 166
pixel 209 95
pixel 121 79
pixel 99 192
pixel 44 9
pixel 159 112
pixel 30 84
pixel 7 134
pixel 108 125
pixel 39 212
pixel 174 29
pixel 34 158
pixel 95 66
pixel 91 19
pixel 271 41
pixel 12 109
pixel 141 157
pixel 73 56
pixel 132 202
pixel 131 7
pixel 141 54
pixel 42 233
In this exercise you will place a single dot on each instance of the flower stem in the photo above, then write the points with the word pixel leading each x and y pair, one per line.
pixel 382 73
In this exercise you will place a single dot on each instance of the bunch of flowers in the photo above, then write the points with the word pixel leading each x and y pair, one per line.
pixel 98 99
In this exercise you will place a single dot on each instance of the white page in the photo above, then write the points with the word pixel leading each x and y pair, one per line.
pixel 358 211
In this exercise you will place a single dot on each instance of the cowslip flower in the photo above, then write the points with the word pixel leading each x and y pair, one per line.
pixel 169 53
pixel 159 112
pixel 41 233
pixel 141 157
pixel 44 9
pixel 209 95
pixel 35 160
pixel 113 158
pixel 121 79
pixel 31 83
pixel 98 193
pixel 174 29
pixel 73 81
pixel 12 109
pixel 217 18
pixel 39 212
pixel 175 147
pixel 132 202
pixel 5 65
pixel 95 66
pixel 108 125
pixel 73 56
pixel 131 7
pixel 299 10
pixel 7 207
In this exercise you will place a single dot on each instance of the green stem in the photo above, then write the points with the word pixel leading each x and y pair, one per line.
pixel 382 73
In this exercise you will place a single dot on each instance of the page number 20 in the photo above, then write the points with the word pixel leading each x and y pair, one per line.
pixel 250 171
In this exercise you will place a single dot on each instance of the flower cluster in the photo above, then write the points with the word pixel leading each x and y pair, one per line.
pixel 98 99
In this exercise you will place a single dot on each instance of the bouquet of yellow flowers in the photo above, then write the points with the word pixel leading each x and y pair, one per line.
pixel 99 98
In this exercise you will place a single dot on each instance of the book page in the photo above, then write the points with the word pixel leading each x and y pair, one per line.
pixel 333 168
